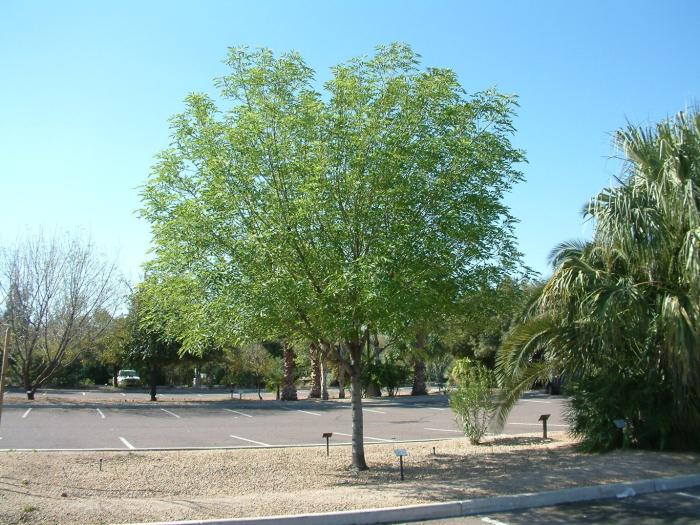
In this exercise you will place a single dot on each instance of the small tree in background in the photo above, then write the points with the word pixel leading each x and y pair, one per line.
pixel 472 400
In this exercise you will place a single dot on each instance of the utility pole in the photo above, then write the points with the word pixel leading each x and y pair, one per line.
pixel 5 353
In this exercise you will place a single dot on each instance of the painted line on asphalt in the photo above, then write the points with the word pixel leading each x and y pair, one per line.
pixel 128 445
pixel 237 412
pixel 493 521
pixel 369 437
pixel 123 394
pixel 372 410
pixel 249 440
pixel 435 408
pixel 100 413
pixel 534 401
pixel 302 411
pixel 537 424
pixel 26 413
pixel 310 413
pixel 685 494
pixel 443 430
pixel 83 393
pixel 171 413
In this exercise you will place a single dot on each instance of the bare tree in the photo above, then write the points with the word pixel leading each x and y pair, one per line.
pixel 51 290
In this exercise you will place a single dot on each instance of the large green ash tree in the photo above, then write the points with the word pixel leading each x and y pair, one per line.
pixel 372 205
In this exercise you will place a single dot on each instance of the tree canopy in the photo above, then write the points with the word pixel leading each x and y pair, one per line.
pixel 374 204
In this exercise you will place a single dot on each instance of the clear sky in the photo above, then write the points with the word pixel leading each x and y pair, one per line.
pixel 86 90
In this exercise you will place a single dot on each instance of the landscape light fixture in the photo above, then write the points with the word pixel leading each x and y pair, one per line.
pixel 544 418
pixel 328 436
pixel 401 452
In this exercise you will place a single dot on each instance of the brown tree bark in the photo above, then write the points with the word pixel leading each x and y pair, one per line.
pixel 358 446
pixel 289 391
pixel 419 387
pixel 315 357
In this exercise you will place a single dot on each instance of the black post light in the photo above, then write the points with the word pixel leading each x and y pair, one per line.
pixel 544 418
pixel 328 436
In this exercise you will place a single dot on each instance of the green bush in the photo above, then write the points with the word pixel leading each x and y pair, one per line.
pixel 471 399
pixel 643 399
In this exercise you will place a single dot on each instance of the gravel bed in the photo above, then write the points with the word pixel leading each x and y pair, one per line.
pixel 68 487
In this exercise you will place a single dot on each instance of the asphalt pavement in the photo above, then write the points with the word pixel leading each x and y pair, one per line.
pixel 661 508
pixel 108 420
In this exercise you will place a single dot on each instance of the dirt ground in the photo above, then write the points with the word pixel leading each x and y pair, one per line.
pixel 63 487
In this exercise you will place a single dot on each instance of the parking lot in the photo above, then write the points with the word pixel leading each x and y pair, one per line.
pixel 106 424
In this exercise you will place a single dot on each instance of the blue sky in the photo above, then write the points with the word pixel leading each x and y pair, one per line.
pixel 86 90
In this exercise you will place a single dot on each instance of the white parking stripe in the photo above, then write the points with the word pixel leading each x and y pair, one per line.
pixel 250 440
pixel 493 521
pixel 687 495
pixel 83 393
pixel 310 413
pixel 171 413
pixel 123 394
pixel 26 413
pixel 534 401
pixel 435 408
pixel 303 411
pixel 443 430
pixel 128 445
pixel 368 437
pixel 237 412
pixel 372 410
pixel 536 424
pixel 100 413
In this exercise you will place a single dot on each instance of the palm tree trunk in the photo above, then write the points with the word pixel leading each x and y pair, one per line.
pixel 315 356
pixel 289 392
pixel 419 388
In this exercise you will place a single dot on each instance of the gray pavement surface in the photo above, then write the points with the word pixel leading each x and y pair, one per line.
pixel 108 420
pixel 675 507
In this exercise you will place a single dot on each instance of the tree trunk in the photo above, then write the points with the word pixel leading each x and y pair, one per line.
pixel 152 380
pixel 341 382
pixel 324 378
pixel 315 356
pixel 115 374
pixel 257 384
pixel 289 392
pixel 358 446
pixel 419 388
pixel 28 388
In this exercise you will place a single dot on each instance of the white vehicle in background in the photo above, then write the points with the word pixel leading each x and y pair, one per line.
pixel 128 378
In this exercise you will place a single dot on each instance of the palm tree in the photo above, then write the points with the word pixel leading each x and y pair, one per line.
pixel 620 316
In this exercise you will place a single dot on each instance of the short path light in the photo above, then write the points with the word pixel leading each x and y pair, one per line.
pixel 544 418
pixel 328 436
pixel 401 452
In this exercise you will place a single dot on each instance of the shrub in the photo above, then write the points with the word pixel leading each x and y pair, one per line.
pixel 471 399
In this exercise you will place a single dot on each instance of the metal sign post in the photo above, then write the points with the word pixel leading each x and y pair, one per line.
pixel 5 353
pixel 401 452
pixel 328 436
pixel 544 418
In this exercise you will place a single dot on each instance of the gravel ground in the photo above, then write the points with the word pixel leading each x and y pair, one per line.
pixel 63 488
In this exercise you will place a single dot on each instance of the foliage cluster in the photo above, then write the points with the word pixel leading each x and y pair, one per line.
pixel 620 316
pixel 472 398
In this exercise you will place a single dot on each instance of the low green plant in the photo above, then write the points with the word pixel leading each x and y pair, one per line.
pixel 471 399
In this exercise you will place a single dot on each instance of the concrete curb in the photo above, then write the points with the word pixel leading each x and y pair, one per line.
pixel 461 508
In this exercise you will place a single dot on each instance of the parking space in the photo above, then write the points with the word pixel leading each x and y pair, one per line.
pixel 245 424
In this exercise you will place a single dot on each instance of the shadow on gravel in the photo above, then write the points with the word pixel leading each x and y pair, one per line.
pixel 448 476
